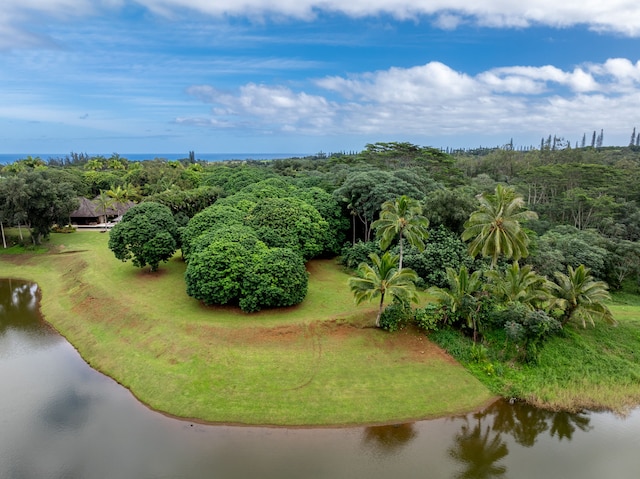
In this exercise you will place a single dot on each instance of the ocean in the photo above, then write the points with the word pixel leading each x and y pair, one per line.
pixel 11 157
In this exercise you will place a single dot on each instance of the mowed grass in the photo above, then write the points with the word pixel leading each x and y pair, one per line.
pixel 318 363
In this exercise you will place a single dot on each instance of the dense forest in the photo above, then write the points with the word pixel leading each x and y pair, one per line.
pixel 246 228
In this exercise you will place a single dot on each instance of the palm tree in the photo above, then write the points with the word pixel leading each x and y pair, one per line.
pixel 401 218
pixel 104 203
pixel 581 296
pixel 519 284
pixel 496 226
pixel 381 279
pixel 461 297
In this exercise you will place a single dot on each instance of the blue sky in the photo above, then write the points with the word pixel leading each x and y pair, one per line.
pixel 302 76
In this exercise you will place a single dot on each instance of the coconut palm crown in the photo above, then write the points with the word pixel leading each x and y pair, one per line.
pixel 581 296
pixel 383 278
pixel 495 227
pixel 401 218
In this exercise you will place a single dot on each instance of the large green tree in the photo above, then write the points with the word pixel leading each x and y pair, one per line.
pixel 146 235
pixel 34 197
pixel 401 218
pixel 495 228
pixel 383 278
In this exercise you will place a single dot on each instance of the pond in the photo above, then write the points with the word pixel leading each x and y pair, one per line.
pixel 61 419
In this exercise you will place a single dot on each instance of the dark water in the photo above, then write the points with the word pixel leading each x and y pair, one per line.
pixel 61 419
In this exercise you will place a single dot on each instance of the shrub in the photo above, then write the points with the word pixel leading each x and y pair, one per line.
pixel 352 255
pixel 396 316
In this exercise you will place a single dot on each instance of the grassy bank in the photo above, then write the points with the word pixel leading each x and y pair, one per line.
pixel 314 364
pixel 592 368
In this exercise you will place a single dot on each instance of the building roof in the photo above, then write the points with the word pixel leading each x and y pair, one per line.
pixel 90 209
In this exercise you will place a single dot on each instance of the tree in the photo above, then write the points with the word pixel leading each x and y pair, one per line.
pixel 105 202
pixel 211 218
pixel 444 250
pixel 381 279
pixel 34 197
pixel 401 218
pixel 147 234
pixel 461 298
pixel 519 284
pixel 580 296
pixel 495 227
pixel 276 278
pixel 219 262
pixel 290 223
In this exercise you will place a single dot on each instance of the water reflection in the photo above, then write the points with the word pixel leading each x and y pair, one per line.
pixel 478 448
pixel 388 439
pixel 61 419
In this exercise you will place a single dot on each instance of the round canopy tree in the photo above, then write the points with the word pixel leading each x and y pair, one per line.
pixel 276 279
pixel 146 235
pixel 290 223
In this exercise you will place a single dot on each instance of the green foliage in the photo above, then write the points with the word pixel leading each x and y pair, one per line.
pixel 189 202
pixel 580 296
pixel 147 234
pixel 401 218
pixel 396 316
pixel 290 223
pixel 34 197
pixel 382 277
pixel 527 329
pixel 518 284
pixel 352 255
pixel 211 218
pixel 443 250
pixel 431 317
pixel 276 278
pixel 567 246
pixel 219 262
pixel 450 208
pixel 495 227
pixel 331 212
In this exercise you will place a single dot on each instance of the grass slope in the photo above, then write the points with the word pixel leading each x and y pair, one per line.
pixel 313 364
pixel 583 368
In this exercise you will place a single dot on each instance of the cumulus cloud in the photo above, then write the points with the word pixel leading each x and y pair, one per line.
pixel 437 100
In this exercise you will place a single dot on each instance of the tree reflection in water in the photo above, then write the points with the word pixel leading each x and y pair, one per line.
pixel 479 445
pixel 479 449
pixel 389 439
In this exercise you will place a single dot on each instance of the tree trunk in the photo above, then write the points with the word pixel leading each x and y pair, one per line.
pixel 380 310
pixel 400 265
pixel 4 240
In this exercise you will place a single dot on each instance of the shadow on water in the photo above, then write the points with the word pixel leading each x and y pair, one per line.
pixel 61 419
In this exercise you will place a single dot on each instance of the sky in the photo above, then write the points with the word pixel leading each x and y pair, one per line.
pixel 305 76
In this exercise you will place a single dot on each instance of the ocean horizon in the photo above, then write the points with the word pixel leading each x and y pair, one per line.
pixel 11 157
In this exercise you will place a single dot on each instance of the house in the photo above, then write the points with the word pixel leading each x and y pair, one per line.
pixel 90 212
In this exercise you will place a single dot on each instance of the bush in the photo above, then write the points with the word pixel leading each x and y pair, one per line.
pixel 352 255
pixel 396 316
pixel 431 317
pixel 276 279
pixel 527 330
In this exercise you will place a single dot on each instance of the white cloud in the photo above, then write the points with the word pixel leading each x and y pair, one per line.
pixel 621 16
pixel 434 99
pixel 17 17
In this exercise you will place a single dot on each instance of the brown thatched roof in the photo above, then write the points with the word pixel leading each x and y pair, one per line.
pixel 90 209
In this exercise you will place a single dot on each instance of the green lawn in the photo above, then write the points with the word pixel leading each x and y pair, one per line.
pixel 319 363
